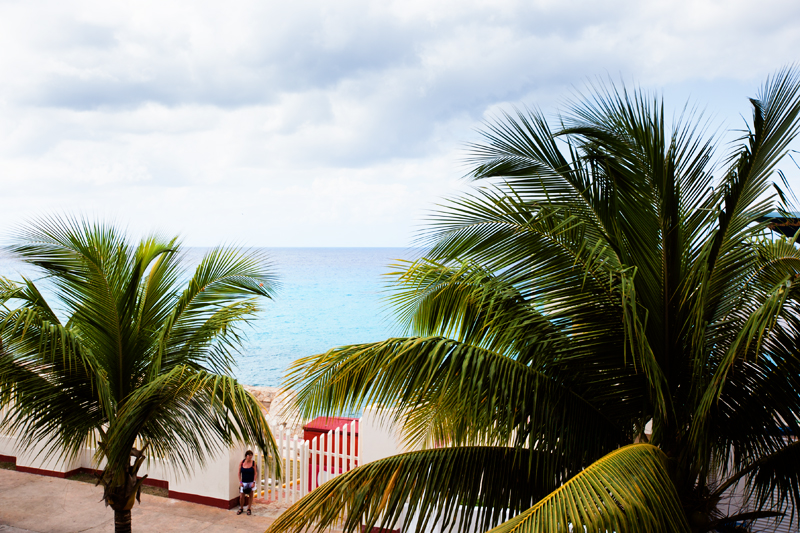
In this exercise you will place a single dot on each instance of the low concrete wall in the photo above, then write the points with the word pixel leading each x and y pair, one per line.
pixel 33 460
pixel 215 484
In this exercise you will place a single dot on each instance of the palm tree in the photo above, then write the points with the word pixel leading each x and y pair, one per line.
pixel 604 334
pixel 113 344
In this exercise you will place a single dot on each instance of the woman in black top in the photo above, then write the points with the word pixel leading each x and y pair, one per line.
pixel 248 470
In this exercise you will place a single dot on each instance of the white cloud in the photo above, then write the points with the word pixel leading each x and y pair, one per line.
pixel 318 123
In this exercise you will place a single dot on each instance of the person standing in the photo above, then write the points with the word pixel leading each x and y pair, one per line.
pixel 248 470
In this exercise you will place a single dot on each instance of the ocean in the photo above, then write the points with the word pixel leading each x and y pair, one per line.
pixel 327 297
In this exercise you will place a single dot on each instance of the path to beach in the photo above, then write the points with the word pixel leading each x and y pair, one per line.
pixel 32 503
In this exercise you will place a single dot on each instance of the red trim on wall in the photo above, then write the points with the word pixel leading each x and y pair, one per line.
pixel 193 498
pixel 205 500
pixel 52 473
pixel 160 483
pixel 41 472
pixel 7 459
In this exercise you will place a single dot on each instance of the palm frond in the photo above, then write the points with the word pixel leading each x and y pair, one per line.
pixel 448 392
pixel 131 358
pixel 773 482
pixel 224 277
pixel 628 490
pixel 472 305
pixel 57 390
pixel 437 485
pixel 185 414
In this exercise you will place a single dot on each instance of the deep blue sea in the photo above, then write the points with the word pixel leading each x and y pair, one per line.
pixel 327 297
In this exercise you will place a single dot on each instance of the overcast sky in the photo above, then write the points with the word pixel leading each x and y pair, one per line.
pixel 325 123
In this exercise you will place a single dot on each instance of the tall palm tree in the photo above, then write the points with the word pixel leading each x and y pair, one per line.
pixel 123 342
pixel 605 335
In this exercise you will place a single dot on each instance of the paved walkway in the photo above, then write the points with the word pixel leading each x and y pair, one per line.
pixel 31 503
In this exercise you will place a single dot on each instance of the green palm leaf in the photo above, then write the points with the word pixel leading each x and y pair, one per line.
pixel 185 414
pixel 448 392
pixel 626 491
pixel 473 305
pixel 436 484
pixel 124 350
pixel 607 275
pixel 774 482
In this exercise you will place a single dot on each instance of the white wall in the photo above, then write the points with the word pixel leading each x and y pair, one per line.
pixel 377 437
pixel 35 457
pixel 218 480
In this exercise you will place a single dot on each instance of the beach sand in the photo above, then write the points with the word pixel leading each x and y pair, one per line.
pixel 274 401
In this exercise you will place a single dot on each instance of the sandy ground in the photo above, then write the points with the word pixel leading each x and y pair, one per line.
pixel 275 402
pixel 265 395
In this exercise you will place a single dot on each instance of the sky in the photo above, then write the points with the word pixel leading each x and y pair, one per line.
pixel 322 123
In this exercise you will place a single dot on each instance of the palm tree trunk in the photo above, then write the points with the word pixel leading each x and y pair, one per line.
pixel 122 521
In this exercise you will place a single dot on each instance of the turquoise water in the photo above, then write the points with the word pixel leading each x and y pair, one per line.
pixel 327 297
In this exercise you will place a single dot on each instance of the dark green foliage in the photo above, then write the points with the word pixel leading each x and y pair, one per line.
pixel 127 348
pixel 610 272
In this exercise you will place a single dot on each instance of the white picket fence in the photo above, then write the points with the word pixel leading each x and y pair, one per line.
pixel 305 465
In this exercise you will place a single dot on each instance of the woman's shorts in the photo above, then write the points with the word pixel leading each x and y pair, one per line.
pixel 246 488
